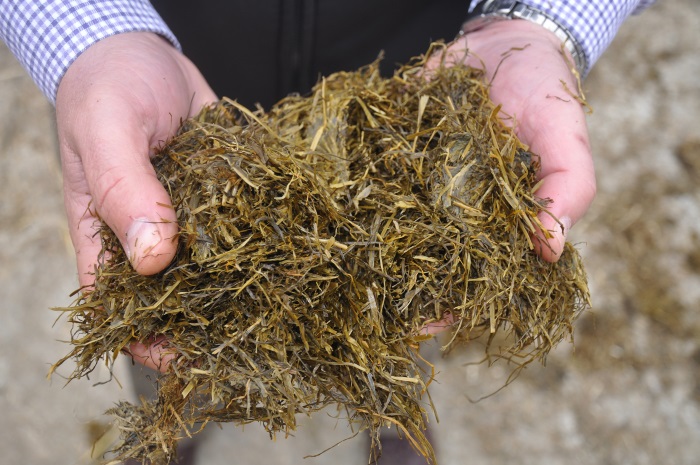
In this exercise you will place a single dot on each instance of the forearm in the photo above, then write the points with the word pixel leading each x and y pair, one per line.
pixel 47 36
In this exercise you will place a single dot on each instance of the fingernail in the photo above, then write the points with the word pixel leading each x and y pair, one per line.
pixel 143 236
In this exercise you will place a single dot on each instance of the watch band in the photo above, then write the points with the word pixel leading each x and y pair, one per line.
pixel 489 11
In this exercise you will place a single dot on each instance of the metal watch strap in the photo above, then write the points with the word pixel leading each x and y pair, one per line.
pixel 489 11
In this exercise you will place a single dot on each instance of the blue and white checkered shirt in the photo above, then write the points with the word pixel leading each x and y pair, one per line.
pixel 48 35
pixel 593 23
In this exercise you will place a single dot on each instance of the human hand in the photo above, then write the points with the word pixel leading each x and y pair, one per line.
pixel 532 80
pixel 120 98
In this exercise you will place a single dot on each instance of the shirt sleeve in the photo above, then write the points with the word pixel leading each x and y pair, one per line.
pixel 593 23
pixel 47 36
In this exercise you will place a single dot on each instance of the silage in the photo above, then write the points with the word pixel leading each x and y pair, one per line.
pixel 317 241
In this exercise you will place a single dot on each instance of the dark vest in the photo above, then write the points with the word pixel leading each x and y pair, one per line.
pixel 260 51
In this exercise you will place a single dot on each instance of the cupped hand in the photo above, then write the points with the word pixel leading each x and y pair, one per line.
pixel 122 97
pixel 531 76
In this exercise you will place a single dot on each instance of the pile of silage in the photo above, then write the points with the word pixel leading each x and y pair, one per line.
pixel 316 241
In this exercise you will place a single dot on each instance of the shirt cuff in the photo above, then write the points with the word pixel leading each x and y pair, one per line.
pixel 593 24
pixel 47 36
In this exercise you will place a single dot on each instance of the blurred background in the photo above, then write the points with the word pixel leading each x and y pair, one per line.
pixel 627 391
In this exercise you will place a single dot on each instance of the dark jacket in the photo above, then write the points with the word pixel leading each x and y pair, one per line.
pixel 260 51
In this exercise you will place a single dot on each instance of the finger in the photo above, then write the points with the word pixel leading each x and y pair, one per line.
pixel 438 327
pixel 153 354
pixel 450 55
pixel 123 186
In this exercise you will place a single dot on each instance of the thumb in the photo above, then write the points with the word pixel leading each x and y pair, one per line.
pixel 141 218
pixel 569 190
pixel 128 196
pixel 109 178
pixel 556 221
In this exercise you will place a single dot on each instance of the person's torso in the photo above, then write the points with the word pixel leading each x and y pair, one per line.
pixel 258 52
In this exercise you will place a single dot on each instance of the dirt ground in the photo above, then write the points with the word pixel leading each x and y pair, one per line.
pixel 626 392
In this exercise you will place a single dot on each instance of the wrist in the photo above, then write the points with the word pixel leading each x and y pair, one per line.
pixel 505 43
pixel 492 11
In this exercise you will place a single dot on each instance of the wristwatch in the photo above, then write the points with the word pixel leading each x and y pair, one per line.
pixel 489 11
